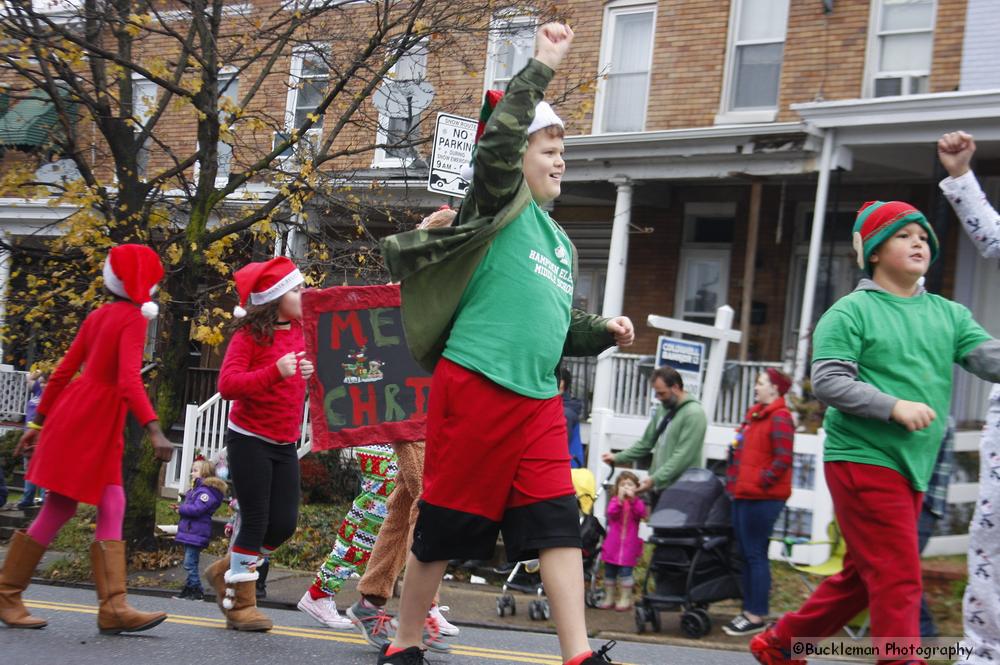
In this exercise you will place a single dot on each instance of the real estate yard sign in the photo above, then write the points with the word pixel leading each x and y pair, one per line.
pixel 687 357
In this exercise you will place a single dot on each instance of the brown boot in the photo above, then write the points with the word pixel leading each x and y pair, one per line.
pixel 240 604
pixel 107 559
pixel 22 557
pixel 216 576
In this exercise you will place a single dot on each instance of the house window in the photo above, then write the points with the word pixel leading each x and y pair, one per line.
pixel 229 86
pixel 902 47
pixel 310 78
pixel 626 59
pixel 703 286
pixel 512 43
pixel 756 49
pixel 143 106
pixel 397 131
pixel 588 292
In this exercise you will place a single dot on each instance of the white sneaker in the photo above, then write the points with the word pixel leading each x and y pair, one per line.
pixel 447 629
pixel 324 611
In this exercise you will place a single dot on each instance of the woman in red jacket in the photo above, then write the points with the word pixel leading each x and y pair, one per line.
pixel 759 478
pixel 79 452
pixel 264 373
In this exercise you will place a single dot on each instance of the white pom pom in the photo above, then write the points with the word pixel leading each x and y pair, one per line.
pixel 239 312
pixel 466 173
pixel 228 603
pixel 150 310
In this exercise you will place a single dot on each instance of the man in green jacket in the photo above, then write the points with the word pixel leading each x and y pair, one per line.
pixel 675 435
pixel 487 307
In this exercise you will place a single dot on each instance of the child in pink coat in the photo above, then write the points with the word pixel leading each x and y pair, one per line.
pixel 622 546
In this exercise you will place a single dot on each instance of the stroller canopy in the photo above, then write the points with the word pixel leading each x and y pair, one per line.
pixel 697 500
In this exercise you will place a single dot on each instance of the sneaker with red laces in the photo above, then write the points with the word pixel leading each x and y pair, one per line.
pixel 598 657
pixel 767 649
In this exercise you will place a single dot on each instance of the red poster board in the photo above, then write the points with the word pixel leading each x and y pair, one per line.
pixel 367 388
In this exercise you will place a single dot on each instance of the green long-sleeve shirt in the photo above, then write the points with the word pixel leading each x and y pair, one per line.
pixel 679 447
pixel 435 266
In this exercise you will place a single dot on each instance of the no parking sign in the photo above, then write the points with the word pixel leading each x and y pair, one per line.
pixel 454 137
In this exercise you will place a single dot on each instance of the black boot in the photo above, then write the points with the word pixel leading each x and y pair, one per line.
pixel 197 593
pixel 262 579
pixel 185 592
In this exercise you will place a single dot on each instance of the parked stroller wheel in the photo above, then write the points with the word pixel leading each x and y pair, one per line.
pixel 545 612
pixel 505 605
pixel 501 609
pixel 531 611
pixel 705 617
pixel 694 625
pixel 654 619
pixel 594 597
pixel 640 619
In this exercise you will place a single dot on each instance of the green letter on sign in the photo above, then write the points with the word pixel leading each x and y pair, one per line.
pixel 379 317
pixel 333 418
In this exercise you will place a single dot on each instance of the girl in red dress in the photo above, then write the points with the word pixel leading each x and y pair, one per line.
pixel 264 374
pixel 78 454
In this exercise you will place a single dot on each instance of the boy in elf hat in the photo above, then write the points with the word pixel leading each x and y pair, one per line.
pixel 487 306
pixel 264 373
pixel 882 361
pixel 79 451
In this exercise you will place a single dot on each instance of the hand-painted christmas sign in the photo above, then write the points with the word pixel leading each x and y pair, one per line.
pixel 367 387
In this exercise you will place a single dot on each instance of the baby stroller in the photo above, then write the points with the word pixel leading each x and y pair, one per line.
pixel 591 534
pixel 695 558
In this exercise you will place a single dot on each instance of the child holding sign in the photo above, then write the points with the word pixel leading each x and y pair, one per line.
pixel 265 374
pixel 487 306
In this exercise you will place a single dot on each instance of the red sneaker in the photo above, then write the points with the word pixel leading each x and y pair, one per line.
pixel 767 649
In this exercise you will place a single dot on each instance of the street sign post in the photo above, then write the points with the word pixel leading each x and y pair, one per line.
pixel 454 137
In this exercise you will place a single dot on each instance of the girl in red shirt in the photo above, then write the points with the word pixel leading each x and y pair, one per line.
pixel 78 456
pixel 264 374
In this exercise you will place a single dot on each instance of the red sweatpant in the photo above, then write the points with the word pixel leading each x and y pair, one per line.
pixel 877 512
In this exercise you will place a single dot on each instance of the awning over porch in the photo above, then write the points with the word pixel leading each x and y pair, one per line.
pixel 28 123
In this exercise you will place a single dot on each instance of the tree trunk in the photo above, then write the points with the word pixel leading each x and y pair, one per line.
pixel 141 468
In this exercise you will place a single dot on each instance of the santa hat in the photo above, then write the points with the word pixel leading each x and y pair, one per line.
pixel 265 282
pixel 780 380
pixel 131 272
pixel 545 116
pixel 878 220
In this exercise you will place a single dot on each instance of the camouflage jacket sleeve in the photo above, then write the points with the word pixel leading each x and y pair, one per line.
pixel 587 335
pixel 497 171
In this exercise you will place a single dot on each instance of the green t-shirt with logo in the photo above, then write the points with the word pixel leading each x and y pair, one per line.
pixel 905 347
pixel 514 314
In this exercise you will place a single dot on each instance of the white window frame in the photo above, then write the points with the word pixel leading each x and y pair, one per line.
pixel 380 159
pixel 727 115
pixel 231 72
pixel 874 52
pixel 611 12
pixel 145 112
pixel 314 134
pixel 497 25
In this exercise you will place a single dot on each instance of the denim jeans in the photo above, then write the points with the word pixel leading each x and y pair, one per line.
pixel 614 572
pixel 753 522
pixel 30 489
pixel 925 528
pixel 191 556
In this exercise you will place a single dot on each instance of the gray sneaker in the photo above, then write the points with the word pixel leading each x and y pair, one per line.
pixel 373 622
pixel 432 636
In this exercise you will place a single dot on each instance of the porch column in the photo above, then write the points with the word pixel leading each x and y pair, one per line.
pixel 614 298
pixel 750 267
pixel 812 267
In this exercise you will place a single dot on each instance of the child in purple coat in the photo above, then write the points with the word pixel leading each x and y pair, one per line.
pixel 622 546
pixel 195 528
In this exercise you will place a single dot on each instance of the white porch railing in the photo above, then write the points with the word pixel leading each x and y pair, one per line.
pixel 13 394
pixel 205 433
pixel 631 395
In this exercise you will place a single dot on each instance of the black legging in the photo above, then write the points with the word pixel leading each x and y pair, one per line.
pixel 266 483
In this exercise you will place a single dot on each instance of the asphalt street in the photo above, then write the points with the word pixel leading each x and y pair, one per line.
pixel 195 633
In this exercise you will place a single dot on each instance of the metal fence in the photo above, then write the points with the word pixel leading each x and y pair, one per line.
pixel 13 395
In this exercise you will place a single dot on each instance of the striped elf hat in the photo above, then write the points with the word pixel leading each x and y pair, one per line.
pixel 878 220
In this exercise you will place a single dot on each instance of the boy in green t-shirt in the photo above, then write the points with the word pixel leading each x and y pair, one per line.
pixel 487 305
pixel 882 362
